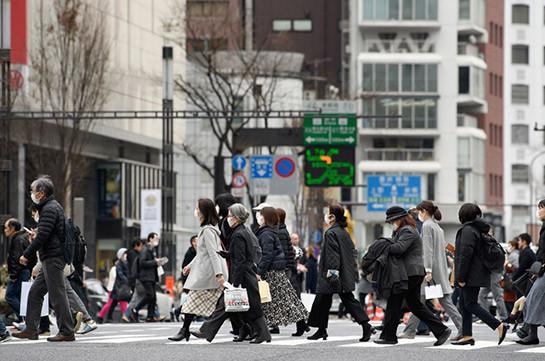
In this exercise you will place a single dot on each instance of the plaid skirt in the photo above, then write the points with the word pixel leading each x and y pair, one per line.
pixel 202 302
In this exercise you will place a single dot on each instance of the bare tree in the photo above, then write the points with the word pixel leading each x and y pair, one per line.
pixel 69 62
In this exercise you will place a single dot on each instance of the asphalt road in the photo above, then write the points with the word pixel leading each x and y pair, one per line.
pixel 147 342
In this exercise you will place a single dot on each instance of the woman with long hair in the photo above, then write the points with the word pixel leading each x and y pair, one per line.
pixel 207 271
pixel 472 274
pixel 435 263
pixel 285 308
pixel 407 246
pixel 337 273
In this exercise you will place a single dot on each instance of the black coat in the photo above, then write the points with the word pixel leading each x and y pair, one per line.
pixel 272 258
pixel 289 252
pixel 225 233
pixel 407 245
pixel 148 265
pixel 540 254
pixel 132 255
pixel 468 260
pixel 526 258
pixel 121 277
pixel 17 245
pixel 50 238
pixel 243 270
pixel 338 253
pixel 189 255
pixel 312 274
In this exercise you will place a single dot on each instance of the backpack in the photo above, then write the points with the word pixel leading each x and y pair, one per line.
pixel 254 246
pixel 80 248
pixel 493 254
pixel 69 240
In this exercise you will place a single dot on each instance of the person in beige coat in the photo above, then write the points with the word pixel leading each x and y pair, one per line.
pixel 207 272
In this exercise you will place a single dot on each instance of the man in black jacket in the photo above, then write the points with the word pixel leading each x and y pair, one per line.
pixel 148 276
pixel 18 273
pixel 526 257
pixel 133 268
pixel 49 243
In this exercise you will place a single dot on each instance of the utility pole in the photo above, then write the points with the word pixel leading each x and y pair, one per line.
pixel 168 245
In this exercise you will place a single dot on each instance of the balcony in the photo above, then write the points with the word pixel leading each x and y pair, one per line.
pixel 394 154
pixel 469 50
pixel 397 46
pixel 471 90
pixel 472 19
pixel 403 14
pixel 465 120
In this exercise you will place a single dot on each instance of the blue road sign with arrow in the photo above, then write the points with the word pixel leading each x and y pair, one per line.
pixel 239 162
pixel 262 166
pixel 384 191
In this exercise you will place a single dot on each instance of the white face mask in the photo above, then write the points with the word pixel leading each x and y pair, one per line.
pixel 36 219
pixel 328 218
pixel 196 213
pixel 155 243
pixel 537 215
pixel 34 199
pixel 218 210
pixel 420 218
pixel 394 226
pixel 260 220
pixel 231 221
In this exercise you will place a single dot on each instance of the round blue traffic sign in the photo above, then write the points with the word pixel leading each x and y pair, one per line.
pixel 239 162
pixel 285 167
pixel 316 236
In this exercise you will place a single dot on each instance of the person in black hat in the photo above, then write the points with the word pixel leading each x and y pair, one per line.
pixel 407 245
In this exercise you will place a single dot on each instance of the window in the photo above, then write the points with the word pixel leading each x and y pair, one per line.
pixel 399 9
pixel 462 186
pixel 519 94
pixel 501 86
pixel 207 8
pixel 519 134
pixel 521 14
pixel 519 54
pixel 491 33
pixel 388 78
pixel 501 186
pixel 281 25
pixel 302 25
pixel 501 37
pixel 463 153
pixel 519 173
pixel 491 76
pixel 464 9
pixel 415 113
pixel 490 131
pixel 496 34
pixel 490 183
pixel 463 80
pixel 501 137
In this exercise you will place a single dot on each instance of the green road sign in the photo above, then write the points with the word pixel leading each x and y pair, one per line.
pixel 340 129
pixel 330 166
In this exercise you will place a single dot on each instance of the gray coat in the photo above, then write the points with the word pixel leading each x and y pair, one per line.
pixel 208 263
pixel 435 259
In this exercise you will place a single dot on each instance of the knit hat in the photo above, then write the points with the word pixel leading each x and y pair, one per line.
pixel 394 213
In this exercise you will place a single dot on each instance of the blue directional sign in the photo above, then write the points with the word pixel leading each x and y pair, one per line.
pixel 316 236
pixel 384 191
pixel 239 162
pixel 262 167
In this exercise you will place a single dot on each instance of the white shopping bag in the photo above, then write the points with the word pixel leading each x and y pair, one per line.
pixel 308 300
pixel 433 291
pixel 25 288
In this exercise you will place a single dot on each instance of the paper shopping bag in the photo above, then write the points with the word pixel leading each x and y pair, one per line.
pixel 433 291
pixel 25 289
pixel 264 291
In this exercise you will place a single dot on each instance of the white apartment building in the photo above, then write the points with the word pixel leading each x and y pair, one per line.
pixel 419 59
pixel 524 107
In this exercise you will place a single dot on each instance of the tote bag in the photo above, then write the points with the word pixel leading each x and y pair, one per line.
pixel 25 289
pixel 433 290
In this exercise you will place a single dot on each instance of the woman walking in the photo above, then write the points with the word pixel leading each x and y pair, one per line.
pixel 285 308
pixel 206 271
pixel 312 271
pixel 534 306
pixel 121 278
pixel 110 287
pixel 407 245
pixel 337 273
pixel 435 263
pixel 471 273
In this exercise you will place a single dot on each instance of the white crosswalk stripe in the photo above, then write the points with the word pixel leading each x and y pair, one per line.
pixel 478 345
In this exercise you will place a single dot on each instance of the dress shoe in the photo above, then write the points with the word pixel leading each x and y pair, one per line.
pixel 243 333
pixel 320 334
pixel 379 327
pixel 260 326
pixel 134 315
pixel 385 342
pixel 60 338
pixel 183 333
pixel 125 319
pixel 470 342
pixel 301 329
pixel 198 334
pixel 422 333
pixel 458 337
pixel 274 330
pixel 528 341
pixel 24 334
pixel 503 333
pixel 443 338
pixel 151 320
pixel 367 332
pixel 159 319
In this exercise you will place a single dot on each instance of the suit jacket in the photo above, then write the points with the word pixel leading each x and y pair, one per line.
pixel 435 258
pixel 408 247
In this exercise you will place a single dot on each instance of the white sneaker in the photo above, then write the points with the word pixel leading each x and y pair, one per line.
pixel 513 337
pixel 404 336
pixel 88 327
pixel 20 326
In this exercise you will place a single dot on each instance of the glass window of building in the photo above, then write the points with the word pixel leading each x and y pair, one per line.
pixel 521 14
pixel 519 134
pixel 399 9
pixel 519 54
pixel 302 25
pixel 519 94
pixel 393 78
pixel 463 80
pixel 519 173
pixel 281 25
pixel 463 153
pixel 464 9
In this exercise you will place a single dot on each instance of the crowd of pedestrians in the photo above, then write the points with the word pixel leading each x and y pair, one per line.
pixel 396 273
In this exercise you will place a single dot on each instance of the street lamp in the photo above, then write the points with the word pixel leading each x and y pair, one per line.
pixel 531 179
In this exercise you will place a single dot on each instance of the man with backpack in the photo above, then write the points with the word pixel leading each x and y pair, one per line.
pixel 49 242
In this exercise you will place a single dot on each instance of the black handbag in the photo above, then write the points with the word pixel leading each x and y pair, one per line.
pixel 523 284
pixel 123 292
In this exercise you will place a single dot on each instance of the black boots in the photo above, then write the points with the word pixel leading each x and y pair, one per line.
pixel 532 338
pixel 260 326
pixel 183 333
pixel 302 327
pixel 320 334
pixel 368 331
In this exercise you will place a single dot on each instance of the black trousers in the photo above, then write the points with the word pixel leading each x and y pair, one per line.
pixel 412 296
pixel 212 325
pixel 319 314
pixel 469 306
pixel 149 299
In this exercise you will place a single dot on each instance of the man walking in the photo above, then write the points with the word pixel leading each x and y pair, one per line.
pixel 149 276
pixel 18 273
pixel 49 242
pixel 133 267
